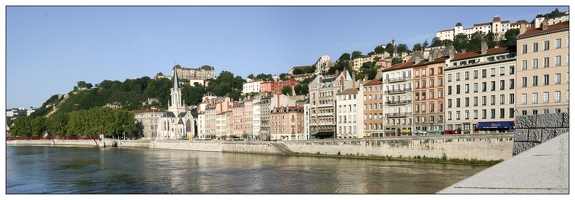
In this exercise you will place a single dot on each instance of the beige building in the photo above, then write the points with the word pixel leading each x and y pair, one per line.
pixel 223 123
pixel 480 90
pixel 373 108
pixel 204 72
pixel 147 121
pixel 543 69
pixel 287 123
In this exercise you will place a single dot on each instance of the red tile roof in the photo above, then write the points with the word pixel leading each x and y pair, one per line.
pixel 373 82
pixel 550 28
pixel 350 91
pixel 478 53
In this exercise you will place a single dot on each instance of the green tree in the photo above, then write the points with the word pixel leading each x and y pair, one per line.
pixel 396 61
pixel 425 44
pixel 301 89
pixel 356 54
pixel 286 90
pixel 57 123
pixel 284 76
pixel 510 37
pixel 417 47
pixel 460 42
pixel 345 56
pixel 371 74
pixel 436 42
pixel 402 48
pixel 298 71
pixel 389 48
pixel 379 49
pixel 491 41
pixel 251 76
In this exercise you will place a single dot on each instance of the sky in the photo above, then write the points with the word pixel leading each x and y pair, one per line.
pixel 50 48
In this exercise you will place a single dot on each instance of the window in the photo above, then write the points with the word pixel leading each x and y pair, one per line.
pixel 466 88
pixel 511 98
pixel 449 115
pixel 535 47
pixel 493 72
pixel 483 73
pixel 457 89
pixel 457 115
pixel 545 97
pixel 475 86
pixel 511 69
pixel 492 85
pixel 449 90
pixel 431 72
pixel 511 113
pixel 475 101
pixel 502 85
pixel 475 74
pixel 545 62
pixel 534 112
pixel 431 94
pixel 416 84
pixel 502 113
pixel 546 79
pixel 423 72
pixel 535 63
pixel 458 102
pixel 467 75
pixel 534 98
pixel 448 77
pixel 535 78
pixel 558 43
pixel 423 108
pixel 546 45
pixel 466 114
pixel 449 103
pixel 423 83
pixel 483 86
pixel 511 83
pixel 457 76
pixel 483 113
pixel 502 71
pixel 440 82
pixel 492 99
pixel 466 101
pixel 416 73
pixel 523 98
pixel 431 82
pixel 557 78
pixel 557 96
pixel 483 100
pixel 557 61
pixel 524 49
pixel 524 83
pixel 524 65
pixel 475 114
pixel 492 113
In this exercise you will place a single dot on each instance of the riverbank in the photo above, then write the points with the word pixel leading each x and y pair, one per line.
pixel 485 149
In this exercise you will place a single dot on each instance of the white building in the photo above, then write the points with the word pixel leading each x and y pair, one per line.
pixel 256 117
pixel 306 116
pixel 323 64
pixel 251 86
pixel 349 116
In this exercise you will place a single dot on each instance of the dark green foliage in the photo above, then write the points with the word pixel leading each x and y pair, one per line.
pixel 298 71
pixel 344 56
pixel 379 49
pixel 286 90
pixel 402 48
pixel 436 42
pixel 510 37
pixel 396 61
pixel 301 89
pixel 284 76
pixel 389 48
pixel 356 54
pixel 417 47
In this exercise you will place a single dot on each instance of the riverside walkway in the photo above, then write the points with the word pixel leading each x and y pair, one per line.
pixel 543 169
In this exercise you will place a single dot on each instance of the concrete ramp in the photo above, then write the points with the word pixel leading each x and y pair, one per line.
pixel 282 148
pixel 543 169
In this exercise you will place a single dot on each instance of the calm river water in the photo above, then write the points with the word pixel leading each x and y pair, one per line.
pixel 83 170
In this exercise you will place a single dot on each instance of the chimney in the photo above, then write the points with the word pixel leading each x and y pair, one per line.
pixel 353 78
pixel 522 28
pixel 320 80
pixel 432 55
pixel 484 47
pixel 417 59
pixel 344 74
pixel 336 72
pixel 451 52
pixel 278 95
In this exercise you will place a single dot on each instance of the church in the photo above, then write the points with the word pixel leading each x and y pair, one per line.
pixel 177 122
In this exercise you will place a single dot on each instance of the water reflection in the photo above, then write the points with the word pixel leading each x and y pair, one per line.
pixel 134 171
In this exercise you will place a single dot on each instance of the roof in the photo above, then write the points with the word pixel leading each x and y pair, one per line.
pixel 400 66
pixel 182 114
pixel 496 18
pixel 373 82
pixel 478 53
pixel 531 32
pixel 168 114
pixel 349 91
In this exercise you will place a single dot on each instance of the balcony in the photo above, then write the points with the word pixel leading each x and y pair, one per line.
pixel 398 91
pixel 398 115
pixel 397 103
pixel 398 79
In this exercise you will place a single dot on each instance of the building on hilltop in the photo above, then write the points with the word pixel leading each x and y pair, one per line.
pixel 496 26
pixel 196 74
pixel 177 122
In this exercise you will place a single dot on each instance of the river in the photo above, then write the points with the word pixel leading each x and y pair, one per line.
pixel 85 170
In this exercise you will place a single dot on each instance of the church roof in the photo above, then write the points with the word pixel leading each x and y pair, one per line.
pixel 180 121
pixel 182 114
pixel 175 81
pixel 168 114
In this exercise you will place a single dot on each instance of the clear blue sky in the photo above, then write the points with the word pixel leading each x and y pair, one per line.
pixel 50 49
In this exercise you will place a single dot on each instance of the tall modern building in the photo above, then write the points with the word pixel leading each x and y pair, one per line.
pixel 543 69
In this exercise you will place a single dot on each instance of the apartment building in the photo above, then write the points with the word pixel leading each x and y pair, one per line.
pixel 248 118
pixel 349 113
pixel 496 26
pixel 481 91
pixel 398 99
pixel 213 106
pixel 428 93
pixel 323 64
pixel 251 86
pixel 256 117
pixel 147 121
pixel 223 124
pixel 373 108
pixel 237 119
pixel 543 69
pixel 322 91
pixel 287 123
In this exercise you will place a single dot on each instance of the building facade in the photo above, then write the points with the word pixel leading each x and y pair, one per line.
pixel 372 108
pixel 177 122
pixel 287 123
pixel 543 69
pixel 429 99
pixel 147 121
pixel 349 113
pixel 398 99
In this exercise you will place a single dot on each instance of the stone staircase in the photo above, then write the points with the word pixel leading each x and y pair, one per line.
pixel 282 148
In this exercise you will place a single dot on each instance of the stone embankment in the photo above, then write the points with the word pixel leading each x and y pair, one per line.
pixel 479 147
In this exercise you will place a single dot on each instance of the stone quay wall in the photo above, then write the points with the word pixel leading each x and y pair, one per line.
pixel 532 130
pixel 480 147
